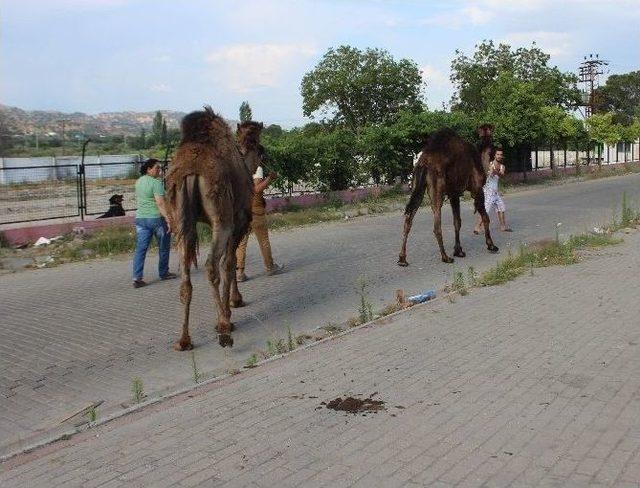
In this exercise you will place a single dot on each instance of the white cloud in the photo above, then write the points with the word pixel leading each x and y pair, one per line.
pixel 469 15
pixel 557 44
pixel 439 87
pixel 160 88
pixel 435 77
pixel 247 67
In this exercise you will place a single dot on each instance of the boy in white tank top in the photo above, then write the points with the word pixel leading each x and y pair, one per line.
pixel 492 197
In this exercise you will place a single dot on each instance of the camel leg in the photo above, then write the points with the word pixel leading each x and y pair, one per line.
pixel 457 223
pixel 408 221
pixel 437 183
pixel 478 200
pixel 219 242
pixel 186 289
pixel 236 300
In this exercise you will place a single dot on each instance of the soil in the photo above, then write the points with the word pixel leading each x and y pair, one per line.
pixel 355 405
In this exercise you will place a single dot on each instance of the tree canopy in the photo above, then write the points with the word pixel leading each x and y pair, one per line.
pixel 355 88
pixel 245 112
pixel 489 63
pixel 620 95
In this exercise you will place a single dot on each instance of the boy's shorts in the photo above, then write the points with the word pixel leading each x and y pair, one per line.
pixel 493 200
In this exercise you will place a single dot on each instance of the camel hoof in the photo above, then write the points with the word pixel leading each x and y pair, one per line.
pixel 225 340
pixel 402 261
pixel 183 345
pixel 492 248
pixel 460 253
pixel 237 303
pixel 447 260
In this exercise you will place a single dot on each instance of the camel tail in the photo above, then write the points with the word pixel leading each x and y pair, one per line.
pixel 187 235
pixel 419 188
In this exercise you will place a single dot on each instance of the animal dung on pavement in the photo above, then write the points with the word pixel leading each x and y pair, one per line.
pixel 356 405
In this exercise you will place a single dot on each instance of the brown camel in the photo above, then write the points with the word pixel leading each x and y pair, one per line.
pixel 209 181
pixel 448 166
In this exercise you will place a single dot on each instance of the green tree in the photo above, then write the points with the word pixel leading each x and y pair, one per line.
pixel 245 112
pixel 163 133
pixel 631 132
pixel 620 95
pixel 355 87
pixel 558 128
pixel 515 109
pixel 156 129
pixel 292 155
pixel 603 129
pixel 472 75
pixel 142 139
pixel 273 130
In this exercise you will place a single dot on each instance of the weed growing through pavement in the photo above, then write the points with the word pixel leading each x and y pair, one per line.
pixel 197 376
pixel 472 276
pixel 92 413
pixel 458 283
pixel 137 389
pixel 252 361
pixel 365 310
pixel 547 254
pixel 290 341
pixel 275 347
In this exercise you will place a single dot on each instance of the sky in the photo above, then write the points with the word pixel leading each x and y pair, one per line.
pixel 115 55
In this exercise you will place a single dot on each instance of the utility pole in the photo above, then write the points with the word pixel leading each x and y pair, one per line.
pixel 589 71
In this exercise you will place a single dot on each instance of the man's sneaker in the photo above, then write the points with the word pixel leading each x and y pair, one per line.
pixel 240 276
pixel 275 269
pixel 139 283
pixel 169 276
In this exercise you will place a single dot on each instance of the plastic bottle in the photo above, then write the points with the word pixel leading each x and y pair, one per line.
pixel 423 297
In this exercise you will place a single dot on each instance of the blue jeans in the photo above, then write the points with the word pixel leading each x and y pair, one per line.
pixel 145 230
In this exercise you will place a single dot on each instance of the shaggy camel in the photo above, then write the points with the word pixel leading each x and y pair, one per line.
pixel 448 166
pixel 210 181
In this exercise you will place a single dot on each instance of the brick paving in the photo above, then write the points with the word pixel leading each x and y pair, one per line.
pixel 536 383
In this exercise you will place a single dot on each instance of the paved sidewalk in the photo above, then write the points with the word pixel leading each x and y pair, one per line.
pixel 536 383
pixel 79 333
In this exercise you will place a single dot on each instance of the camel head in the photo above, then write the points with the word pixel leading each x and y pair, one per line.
pixel 485 131
pixel 248 136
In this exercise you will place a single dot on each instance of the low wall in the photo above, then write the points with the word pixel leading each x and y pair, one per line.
pixel 29 234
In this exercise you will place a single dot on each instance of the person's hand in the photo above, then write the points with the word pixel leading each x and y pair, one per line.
pixel 272 175
pixel 168 224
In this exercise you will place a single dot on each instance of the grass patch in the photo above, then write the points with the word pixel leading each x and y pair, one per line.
pixel 543 254
pixel 252 361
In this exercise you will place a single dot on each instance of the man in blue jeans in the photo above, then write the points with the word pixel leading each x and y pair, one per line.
pixel 151 220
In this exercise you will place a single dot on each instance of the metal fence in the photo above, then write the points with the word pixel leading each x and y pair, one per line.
pixel 564 157
pixel 73 188
pixel 31 193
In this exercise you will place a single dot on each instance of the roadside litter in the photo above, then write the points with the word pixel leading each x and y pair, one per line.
pixel 43 241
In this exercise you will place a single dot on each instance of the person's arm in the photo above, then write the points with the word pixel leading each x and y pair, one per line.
pixel 503 169
pixel 261 184
pixel 162 207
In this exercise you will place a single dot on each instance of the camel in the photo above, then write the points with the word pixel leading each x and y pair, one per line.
pixel 210 181
pixel 448 166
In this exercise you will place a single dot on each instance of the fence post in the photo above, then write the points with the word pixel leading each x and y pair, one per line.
pixel 565 155
pixel 536 158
